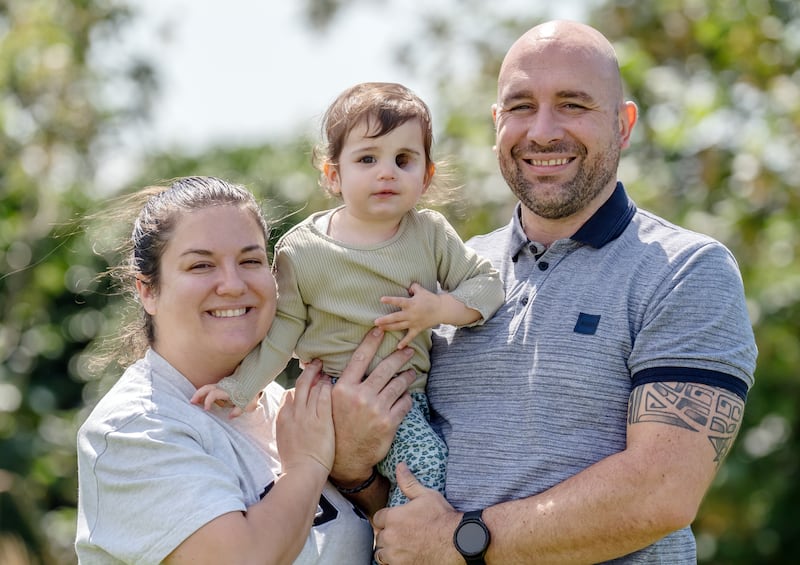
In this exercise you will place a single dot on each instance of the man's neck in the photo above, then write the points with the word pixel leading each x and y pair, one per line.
pixel 546 230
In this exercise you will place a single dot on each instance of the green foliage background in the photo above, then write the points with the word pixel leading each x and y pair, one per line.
pixel 717 149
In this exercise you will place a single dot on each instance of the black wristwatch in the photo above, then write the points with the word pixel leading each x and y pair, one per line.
pixel 472 538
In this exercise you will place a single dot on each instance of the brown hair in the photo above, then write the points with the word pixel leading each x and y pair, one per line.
pixel 383 106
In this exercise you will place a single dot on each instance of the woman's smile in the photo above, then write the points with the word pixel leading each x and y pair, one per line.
pixel 230 313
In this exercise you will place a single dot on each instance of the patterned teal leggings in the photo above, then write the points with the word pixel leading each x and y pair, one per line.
pixel 420 447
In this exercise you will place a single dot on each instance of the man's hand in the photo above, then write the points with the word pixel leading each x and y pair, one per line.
pixel 420 531
pixel 367 412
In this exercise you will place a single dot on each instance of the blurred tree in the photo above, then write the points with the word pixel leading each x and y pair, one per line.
pixel 716 150
pixel 51 115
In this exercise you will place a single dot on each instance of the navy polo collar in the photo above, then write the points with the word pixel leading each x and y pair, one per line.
pixel 610 220
pixel 606 225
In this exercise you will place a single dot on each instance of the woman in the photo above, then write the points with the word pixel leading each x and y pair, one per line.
pixel 161 480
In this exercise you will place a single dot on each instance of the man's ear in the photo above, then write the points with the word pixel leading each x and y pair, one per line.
pixel 628 115
pixel 146 296
pixel 494 122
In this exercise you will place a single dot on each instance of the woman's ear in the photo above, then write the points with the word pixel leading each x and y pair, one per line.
pixel 146 296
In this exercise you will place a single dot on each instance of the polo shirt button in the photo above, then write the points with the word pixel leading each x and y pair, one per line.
pixel 523 300
pixel 543 265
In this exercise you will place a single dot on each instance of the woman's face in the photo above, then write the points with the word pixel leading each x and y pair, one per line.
pixel 217 296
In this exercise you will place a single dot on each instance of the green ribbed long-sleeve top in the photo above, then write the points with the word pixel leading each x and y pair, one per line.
pixel 329 295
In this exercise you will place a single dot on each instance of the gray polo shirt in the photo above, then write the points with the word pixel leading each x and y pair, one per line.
pixel 628 299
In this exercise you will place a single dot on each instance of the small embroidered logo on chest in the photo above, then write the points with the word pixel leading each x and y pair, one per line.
pixel 587 323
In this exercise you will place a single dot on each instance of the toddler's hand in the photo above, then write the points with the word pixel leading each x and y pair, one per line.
pixel 212 394
pixel 417 313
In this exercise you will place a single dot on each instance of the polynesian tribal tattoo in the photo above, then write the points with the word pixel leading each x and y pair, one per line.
pixel 700 408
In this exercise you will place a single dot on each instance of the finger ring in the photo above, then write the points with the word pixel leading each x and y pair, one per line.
pixel 377 556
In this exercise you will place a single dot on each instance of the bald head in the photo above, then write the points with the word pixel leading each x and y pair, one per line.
pixel 570 40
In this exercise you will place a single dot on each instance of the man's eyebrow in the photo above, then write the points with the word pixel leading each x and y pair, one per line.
pixel 576 95
pixel 516 95
pixel 563 94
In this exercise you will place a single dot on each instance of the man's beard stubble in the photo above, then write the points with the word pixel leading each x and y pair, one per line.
pixel 571 196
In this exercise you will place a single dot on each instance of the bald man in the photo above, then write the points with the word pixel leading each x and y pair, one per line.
pixel 588 418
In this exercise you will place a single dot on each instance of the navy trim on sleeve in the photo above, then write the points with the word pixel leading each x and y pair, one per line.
pixel 691 375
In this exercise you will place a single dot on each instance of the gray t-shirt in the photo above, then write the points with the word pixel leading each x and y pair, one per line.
pixel 540 392
pixel 153 468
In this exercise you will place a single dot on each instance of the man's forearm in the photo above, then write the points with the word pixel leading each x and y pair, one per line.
pixel 586 519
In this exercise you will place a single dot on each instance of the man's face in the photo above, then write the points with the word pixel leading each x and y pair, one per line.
pixel 559 133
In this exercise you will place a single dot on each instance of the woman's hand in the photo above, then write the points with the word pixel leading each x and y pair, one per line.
pixel 304 427
pixel 274 529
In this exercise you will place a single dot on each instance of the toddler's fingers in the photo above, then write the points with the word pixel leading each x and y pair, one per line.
pixel 393 301
pixel 403 343
pixel 200 394
pixel 217 397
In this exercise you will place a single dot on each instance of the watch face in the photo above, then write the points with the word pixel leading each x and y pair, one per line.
pixel 471 538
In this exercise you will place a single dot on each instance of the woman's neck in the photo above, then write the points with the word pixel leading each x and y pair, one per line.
pixel 198 370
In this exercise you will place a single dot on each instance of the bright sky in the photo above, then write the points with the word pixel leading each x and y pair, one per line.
pixel 245 71
pixel 242 69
